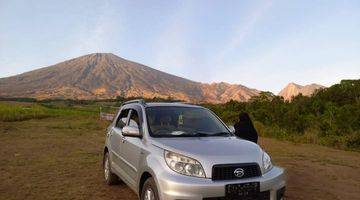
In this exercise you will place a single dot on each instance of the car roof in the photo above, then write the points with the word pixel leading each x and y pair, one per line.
pixel 178 104
pixel 141 102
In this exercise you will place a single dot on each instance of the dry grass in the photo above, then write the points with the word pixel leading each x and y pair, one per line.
pixel 316 172
pixel 54 158
pixel 59 157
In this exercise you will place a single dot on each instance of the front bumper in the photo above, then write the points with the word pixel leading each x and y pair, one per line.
pixel 179 187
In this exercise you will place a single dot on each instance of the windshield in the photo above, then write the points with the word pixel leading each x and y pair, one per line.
pixel 166 121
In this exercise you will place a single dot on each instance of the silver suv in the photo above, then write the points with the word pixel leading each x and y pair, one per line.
pixel 176 151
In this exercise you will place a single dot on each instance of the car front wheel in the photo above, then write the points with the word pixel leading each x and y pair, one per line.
pixel 110 178
pixel 149 190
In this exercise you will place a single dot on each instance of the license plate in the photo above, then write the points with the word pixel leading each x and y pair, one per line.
pixel 242 190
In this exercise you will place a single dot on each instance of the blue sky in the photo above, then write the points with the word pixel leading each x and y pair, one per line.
pixel 260 44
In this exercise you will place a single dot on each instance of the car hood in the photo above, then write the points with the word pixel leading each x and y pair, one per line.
pixel 213 150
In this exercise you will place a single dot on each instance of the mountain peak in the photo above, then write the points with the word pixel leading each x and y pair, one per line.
pixel 99 56
pixel 106 75
pixel 292 84
pixel 293 89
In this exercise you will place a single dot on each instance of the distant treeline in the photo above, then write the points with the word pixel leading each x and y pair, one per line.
pixel 331 116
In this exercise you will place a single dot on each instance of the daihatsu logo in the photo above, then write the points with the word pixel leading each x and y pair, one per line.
pixel 239 172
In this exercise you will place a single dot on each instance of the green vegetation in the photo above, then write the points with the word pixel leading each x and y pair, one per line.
pixel 19 112
pixel 329 117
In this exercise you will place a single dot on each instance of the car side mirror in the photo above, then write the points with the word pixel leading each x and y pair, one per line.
pixel 131 131
pixel 231 128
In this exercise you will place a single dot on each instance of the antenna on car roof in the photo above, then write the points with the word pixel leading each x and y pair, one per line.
pixel 141 101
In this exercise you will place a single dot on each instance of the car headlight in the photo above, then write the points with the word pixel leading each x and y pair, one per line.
pixel 267 165
pixel 184 165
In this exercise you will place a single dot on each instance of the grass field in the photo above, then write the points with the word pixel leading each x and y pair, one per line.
pixel 58 156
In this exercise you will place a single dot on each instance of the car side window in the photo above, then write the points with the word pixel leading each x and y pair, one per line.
pixel 121 121
pixel 134 119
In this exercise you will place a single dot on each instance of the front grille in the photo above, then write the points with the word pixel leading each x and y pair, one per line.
pixel 261 196
pixel 226 172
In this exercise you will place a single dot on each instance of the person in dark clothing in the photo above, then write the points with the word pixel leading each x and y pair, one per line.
pixel 245 128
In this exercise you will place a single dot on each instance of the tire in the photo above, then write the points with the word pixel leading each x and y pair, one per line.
pixel 149 190
pixel 110 178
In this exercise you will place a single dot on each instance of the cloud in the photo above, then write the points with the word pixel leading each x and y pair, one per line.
pixel 244 30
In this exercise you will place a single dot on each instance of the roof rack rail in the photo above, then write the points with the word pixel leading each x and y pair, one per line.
pixel 141 101
pixel 183 102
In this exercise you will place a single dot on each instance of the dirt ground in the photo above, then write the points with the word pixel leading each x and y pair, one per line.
pixel 60 158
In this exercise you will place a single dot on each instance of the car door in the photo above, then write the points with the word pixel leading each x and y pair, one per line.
pixel 116 139
pixel 131 147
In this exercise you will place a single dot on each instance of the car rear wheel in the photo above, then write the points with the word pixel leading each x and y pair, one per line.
pixel 110 178
pixel 149 190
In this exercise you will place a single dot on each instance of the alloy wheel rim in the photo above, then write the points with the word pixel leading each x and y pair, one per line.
pixel 149 194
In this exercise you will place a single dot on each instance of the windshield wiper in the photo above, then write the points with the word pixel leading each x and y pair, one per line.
pixel 221 133
pixel 196 134
pixel 207 134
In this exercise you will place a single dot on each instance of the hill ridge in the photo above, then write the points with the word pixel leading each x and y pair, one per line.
pixel 293 89
pixel 106 75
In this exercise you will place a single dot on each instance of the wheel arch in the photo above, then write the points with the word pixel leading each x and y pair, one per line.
pixel 145 175
pixel 106 150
